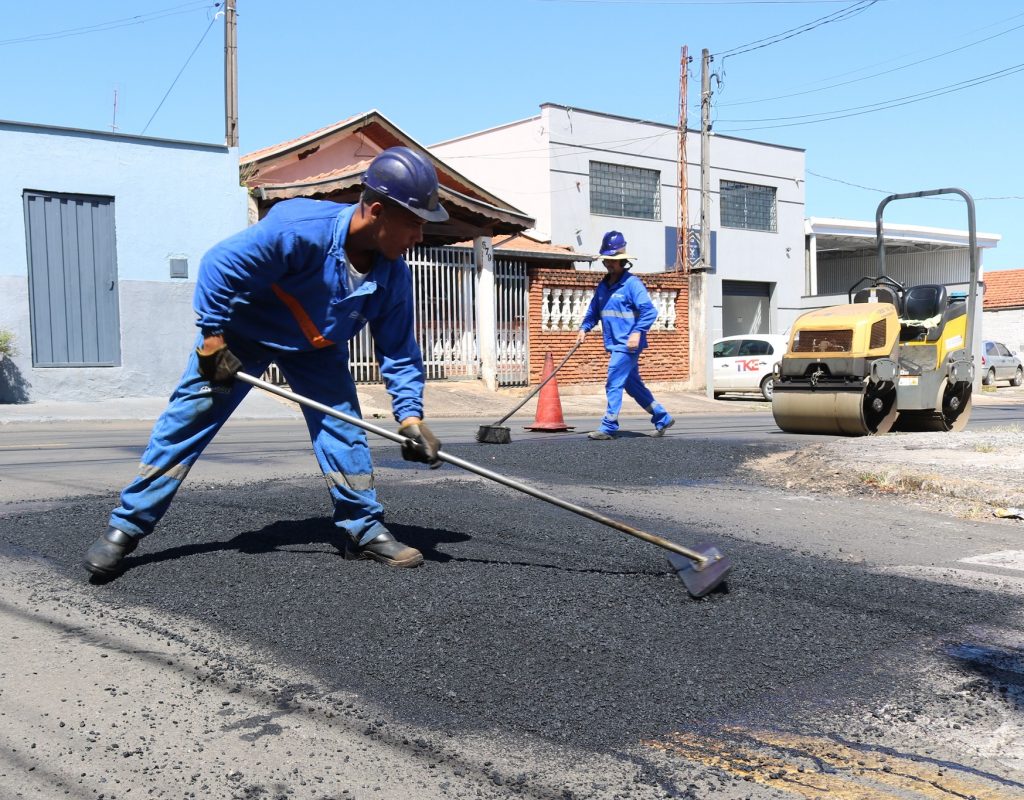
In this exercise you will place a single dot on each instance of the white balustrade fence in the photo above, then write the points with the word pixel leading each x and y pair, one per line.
pixel 563 308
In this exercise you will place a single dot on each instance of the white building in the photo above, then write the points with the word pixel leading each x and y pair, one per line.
pixel 581 173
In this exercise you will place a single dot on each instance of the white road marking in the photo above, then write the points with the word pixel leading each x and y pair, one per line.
pixel 1005 559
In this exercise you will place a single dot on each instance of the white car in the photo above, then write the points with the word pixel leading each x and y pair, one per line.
pixel 746 363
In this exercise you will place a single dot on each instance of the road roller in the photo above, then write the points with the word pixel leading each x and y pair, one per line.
pixel 894 358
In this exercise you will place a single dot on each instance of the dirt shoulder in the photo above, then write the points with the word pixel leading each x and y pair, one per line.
pixel 967 475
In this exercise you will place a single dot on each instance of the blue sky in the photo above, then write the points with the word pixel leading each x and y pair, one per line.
pixel 884 95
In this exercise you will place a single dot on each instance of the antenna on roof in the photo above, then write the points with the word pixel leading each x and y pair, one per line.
pixel 113 121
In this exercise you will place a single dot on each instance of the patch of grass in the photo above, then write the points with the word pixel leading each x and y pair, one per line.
pixel 984 447
pixel 894 483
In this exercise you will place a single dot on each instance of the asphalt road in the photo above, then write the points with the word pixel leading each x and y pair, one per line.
pixel 61 459
pixel 536 653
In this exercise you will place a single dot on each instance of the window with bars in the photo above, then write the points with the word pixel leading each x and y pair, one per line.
pixel 620 191
pixel 748 206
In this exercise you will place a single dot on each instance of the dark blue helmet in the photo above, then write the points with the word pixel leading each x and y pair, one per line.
pixel 407 178
pixel 613 246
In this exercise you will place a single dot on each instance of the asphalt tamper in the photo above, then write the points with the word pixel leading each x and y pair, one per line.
pixel 702 569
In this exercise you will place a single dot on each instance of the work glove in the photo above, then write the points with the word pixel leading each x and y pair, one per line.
pixel 219 368
pixel 420 444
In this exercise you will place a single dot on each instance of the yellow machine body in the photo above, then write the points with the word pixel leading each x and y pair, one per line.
pixel 857 369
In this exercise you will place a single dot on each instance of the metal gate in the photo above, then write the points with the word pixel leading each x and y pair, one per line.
pixel 444 292
pixel 511 320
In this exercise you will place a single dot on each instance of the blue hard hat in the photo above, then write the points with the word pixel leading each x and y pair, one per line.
pixel 613 246
pixel 407 178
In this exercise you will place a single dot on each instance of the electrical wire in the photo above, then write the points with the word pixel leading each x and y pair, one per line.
pixel 183 66
pixel 890 191
pixel 836 16
pixel 101 27
pixel 865 67
pixel 876 74
pixel 569 149
pixel 699 2
pixel 880 106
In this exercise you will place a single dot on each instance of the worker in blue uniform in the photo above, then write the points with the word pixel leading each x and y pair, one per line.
pixel 624 308
pixel 294 289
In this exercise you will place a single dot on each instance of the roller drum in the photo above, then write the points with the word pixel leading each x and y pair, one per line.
pixel 843 412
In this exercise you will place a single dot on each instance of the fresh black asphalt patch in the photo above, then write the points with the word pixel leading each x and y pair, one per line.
pixel 524 617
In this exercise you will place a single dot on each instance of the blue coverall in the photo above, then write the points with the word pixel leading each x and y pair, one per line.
pixel 279 291
pixel 622 309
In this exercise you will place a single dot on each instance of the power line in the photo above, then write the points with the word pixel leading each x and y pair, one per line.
pixel 194 49
pixel 876 74
pixel 836 16
pixel 100 27
pixel 865 67
pixel 699 2
pixel 890 191
pixel 546 152
pixel 882 105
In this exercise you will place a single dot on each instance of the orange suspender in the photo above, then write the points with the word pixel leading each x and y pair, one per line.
pixel 305 323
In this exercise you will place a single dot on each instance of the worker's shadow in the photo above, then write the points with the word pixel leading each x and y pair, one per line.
pixel 294 536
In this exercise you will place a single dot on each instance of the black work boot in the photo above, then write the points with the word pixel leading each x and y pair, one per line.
pixel 385 549
pixel 106 554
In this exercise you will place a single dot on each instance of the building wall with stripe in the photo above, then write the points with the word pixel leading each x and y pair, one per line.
pixel 172 201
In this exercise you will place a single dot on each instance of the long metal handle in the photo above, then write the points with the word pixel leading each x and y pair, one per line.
pixel 539 386
pixel 482 471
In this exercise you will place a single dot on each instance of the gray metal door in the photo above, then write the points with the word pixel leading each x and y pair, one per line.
pixel 745 307
pixel 72 277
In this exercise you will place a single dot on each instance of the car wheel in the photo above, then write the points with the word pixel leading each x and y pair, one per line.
pixel 768 387
pixel 990 377
pixel 1018 377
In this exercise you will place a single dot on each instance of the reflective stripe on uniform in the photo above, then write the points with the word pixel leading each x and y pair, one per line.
pixel 357 481
pixel 619 314
pixel 309 330
pixel 176 471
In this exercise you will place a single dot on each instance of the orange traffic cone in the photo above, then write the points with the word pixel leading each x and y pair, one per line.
pixel 549 405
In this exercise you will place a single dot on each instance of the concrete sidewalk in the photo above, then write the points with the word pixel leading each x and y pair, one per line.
pixel 463 399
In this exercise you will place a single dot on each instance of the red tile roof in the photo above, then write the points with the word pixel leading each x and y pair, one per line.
pixel 1004 288
pixel 256 155
pixel 356 168
pixel 522 243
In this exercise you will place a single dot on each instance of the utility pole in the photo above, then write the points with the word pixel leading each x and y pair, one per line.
pixel 230 74
pixel 683 221
pixel 700 364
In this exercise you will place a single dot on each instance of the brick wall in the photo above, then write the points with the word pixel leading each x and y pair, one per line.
pixel 667 357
